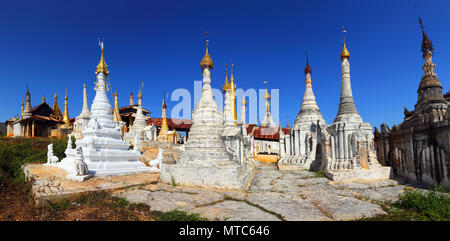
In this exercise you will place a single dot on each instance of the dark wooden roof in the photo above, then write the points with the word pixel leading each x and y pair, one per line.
pixel 43 110
pixel 131 108
pixel 174 124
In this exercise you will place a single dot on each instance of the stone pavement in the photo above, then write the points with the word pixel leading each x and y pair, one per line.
pixel 273 195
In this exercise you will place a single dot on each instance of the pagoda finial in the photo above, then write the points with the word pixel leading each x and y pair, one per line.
pixel 344 52
pixel 116 113
pixel 66 112
pixel 307 68
pixel 266 95
pixel 207 62
pixel 232 84
pixel 102 67
pixel 427 45
pixel 226 85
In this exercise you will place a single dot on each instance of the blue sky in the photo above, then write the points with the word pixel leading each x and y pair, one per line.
pixel 53 45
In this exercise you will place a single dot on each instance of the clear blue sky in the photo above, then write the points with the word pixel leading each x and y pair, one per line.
pixel 53 45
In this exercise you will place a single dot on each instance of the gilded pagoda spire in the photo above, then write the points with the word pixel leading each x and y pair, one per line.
pixel 43 98
pixel 102 67
pixel 66 112
pixel 163 132
pixel 207 62
pixel 56 110
pixel 116 114
pixel 233 94
pixel 344 53
pixel 226 85
pixel 232 83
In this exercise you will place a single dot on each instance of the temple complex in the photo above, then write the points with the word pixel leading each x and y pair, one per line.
pixel 301 147
pixel 34 122
pixel 418 147
pixel 205 160
pixel 102 149
pixel 348 150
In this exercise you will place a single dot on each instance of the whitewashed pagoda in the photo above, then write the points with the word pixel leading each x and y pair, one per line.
pixel 301 147
pixel 348 150
pixel 103 150
pixel 139 123
pixel 82 120
pixel 205 161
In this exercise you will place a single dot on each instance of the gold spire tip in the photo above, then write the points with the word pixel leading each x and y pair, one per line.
pixel 344 53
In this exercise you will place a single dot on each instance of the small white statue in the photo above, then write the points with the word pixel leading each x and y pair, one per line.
pixel 81 168
pixel 51 159
pixel 158 159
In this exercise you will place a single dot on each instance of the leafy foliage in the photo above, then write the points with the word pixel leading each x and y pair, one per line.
pixel 429 205
pixel 14 152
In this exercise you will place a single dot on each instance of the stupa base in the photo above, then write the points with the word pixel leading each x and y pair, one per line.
pixel 108 168
pixel 79 178
pixel 361 174
pixel 298 163
pixel 232 176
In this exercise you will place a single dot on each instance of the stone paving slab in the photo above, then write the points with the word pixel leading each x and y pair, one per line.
pixel 347 208
pixel 290 207
pixel 168 201
pixel 231 210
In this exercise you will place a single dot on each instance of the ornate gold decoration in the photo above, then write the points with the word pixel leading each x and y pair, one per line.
pixel 163 132
pixel 344 52
pixel 226 85
pixel 233 95
pixel 56 110
pixel 207 62
pixel 102 67
pixel 66 112
pixel 116 114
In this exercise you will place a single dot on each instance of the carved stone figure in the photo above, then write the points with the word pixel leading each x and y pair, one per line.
pixel 81 167
pixel 51 159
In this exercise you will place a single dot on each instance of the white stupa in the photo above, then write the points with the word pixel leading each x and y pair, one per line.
pixel 205 161
pixel 104 151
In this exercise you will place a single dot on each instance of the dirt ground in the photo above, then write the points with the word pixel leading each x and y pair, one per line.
pixel 16 204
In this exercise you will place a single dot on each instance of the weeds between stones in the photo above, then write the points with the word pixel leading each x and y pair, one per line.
pixel 415 205
pixel 177 215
